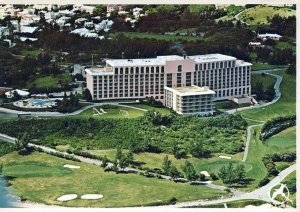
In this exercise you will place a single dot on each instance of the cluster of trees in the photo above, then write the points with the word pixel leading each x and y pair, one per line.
pixel 68 104
pixel 170 169
pixel 269 162
pixel 276 125
pixel 232 175
pixel 122 160
pixel 261 93
pixel 154 132
pixel 284 25
pixel 276 56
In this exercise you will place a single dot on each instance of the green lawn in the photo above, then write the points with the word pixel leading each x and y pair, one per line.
pixel 146 35
pixel 261 14
pixel 264 66
pixel 266 80
pixel 115 112
pixel 41 178
pixel 285 106
pixel 31 53
pixel 162 110
pixel 49 81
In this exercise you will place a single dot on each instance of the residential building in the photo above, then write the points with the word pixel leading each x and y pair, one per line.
pixel 266 36
pixel 190 100
pixel 141 78
pixel 114 7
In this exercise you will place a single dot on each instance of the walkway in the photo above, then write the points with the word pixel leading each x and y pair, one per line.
pixel 58 114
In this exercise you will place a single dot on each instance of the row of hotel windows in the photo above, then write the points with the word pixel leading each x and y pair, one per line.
pixel 224 64
pixel 155 92
pixel 160 69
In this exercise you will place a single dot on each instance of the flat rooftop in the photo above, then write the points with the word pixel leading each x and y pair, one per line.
pixel 161 60
pixel 191 90
pixel 99 71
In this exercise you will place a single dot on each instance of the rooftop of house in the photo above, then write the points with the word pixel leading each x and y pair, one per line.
pixel 191 90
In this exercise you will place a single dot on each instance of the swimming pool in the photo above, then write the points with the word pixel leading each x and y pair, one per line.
pixel 42 101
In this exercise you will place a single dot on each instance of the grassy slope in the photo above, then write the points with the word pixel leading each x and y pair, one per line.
pixel 162 110
pixel 113 113
pixel 43 179
pixel 267 80
pixel 286 105
pixel 49 81
pixel 261 13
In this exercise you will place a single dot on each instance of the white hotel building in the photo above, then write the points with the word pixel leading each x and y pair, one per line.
pixel 226 76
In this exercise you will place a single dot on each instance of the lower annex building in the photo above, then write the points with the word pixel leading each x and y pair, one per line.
pixel 187 84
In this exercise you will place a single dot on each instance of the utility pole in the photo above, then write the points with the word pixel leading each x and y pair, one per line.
pixel 138 55
pixel 122 55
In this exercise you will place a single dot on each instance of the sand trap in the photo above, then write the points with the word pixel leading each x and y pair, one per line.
pixel 224 157
pixel 67 197
pixel 92 196
pixel 71 166
pixel 205 173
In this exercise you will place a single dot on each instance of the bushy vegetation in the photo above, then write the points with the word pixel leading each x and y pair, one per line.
pixel 151 133
pixel 6 148
pixel 232 175
pixel 276 125
pixel 269 161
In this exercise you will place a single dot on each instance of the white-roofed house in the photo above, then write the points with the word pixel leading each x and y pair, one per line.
pixel 266 36
pixel 10 94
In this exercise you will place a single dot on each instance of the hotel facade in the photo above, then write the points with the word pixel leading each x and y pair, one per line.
pixel 225 75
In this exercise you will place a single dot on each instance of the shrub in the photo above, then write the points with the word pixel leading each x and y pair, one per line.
pixel 202 177
pixel 264 181
pixel 214 176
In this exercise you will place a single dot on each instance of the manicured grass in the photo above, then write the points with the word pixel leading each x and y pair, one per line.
pixel 285 106
pixel 235 204
pixel 264 66
pixel 118 190
pixel 261 14
pixel 145 35
pixel 31 53
pixel 286 45
pixel 285 140
pixel 162 110
pixel 116 112
pixel 258 149
pixel 266 80
pixel 49 81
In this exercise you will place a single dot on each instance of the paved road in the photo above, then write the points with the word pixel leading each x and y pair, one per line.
pixel 258 194
pixel 248 140
pixel 58 114
pixel 238 19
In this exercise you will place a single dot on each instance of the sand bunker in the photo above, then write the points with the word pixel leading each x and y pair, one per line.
pixel 92 196
pixel 71 166
pixel 205 173
pixel 224 157
pixel 67 197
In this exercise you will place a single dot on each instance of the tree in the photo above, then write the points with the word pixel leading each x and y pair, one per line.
pixel 22 142
pixel 119 154
pixel 292 68
pixel 167 164
pixel 174 173
pixel 87 95
pixel 16 96
pixel 189 171
pixel 129 157
pixel 230 175
pixel 196 148
pixel 240 173
pixel 104 162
